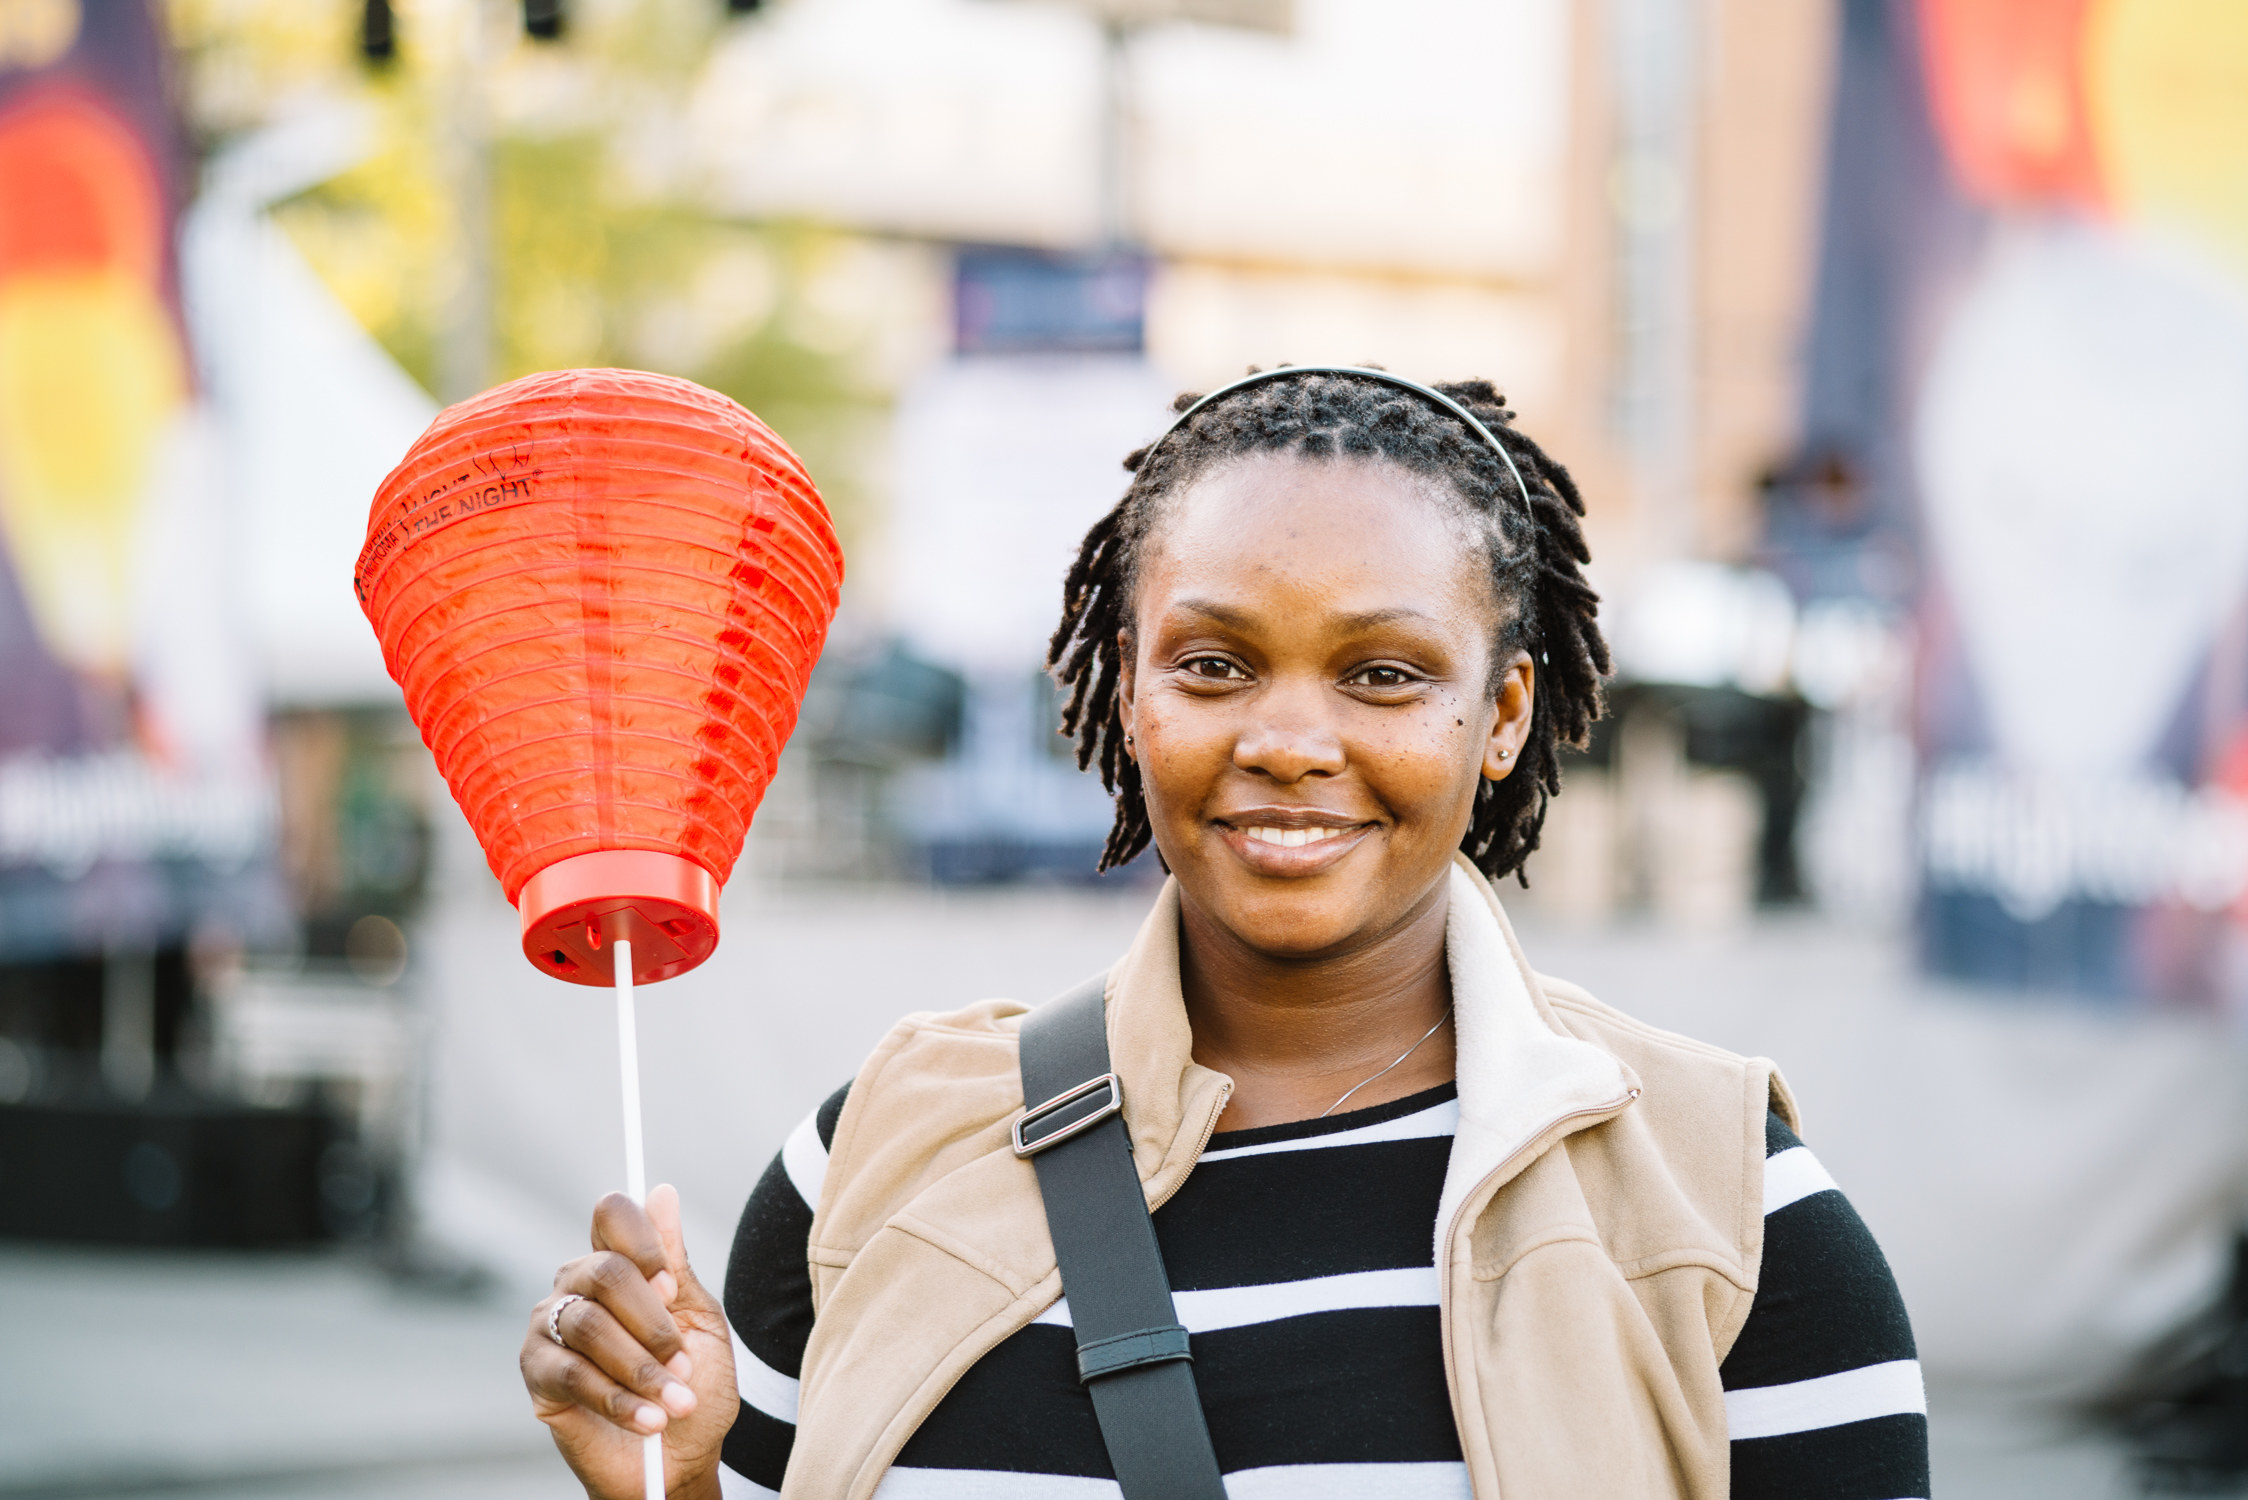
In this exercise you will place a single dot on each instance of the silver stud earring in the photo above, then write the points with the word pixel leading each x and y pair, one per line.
pixel 1506 755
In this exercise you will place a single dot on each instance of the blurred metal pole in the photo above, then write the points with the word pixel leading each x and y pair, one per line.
pixel 1115 128
pixel 1655 74
pixel 464 354
pixel 128 1022
pixel 1120 21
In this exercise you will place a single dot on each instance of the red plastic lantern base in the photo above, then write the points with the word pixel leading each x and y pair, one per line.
pixel 574 912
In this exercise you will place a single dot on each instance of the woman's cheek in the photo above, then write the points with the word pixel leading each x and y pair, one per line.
pixel 1183 729
pixel 1171 750
pixel 1416 762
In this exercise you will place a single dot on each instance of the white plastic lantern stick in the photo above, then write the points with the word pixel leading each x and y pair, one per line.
pixel 635 1160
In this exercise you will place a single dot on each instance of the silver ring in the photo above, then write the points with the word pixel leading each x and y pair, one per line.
pixel 554 1316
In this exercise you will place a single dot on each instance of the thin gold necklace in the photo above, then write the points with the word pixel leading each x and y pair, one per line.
pixel 1408 1052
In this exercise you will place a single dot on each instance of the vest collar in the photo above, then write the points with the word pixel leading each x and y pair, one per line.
pixel 1171 1102
pixel 1519 1072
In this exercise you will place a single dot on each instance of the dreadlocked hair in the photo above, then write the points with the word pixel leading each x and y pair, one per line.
pixel 1534 545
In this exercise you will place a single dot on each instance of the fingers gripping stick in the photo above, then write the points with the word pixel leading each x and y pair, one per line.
pixel 635 1160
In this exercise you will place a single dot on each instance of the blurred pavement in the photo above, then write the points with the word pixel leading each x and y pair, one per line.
pixel 127 1373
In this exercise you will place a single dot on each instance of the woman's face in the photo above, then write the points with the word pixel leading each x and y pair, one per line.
pixel 1310 697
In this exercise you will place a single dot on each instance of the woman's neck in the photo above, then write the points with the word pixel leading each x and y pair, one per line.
pixel 1296 1033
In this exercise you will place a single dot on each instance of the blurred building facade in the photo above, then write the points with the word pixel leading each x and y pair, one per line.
pixel 963 253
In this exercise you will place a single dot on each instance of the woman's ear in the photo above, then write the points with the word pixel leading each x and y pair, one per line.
pixel 1127 667
pixel 1510 717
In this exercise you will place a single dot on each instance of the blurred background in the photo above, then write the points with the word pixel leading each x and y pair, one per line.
pixel 1901 347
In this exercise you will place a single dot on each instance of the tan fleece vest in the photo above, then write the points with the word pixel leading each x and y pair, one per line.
pixel 1599 1231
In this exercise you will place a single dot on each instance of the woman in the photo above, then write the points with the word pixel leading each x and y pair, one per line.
pixel 1436 1226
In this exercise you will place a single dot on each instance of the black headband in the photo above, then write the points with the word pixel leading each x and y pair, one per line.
pixel 1426 393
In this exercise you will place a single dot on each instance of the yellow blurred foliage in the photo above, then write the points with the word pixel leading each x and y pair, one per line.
pixel 90 378
pixel 591 256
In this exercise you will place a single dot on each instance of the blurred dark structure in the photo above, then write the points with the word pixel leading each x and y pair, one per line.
pixel 1757 735
pixel 2185 1410
pixel 180 1169
pixel 1760 737
pixel 200 1093
pixel 918 771
pixel 1825 535
pixel 885 708
pixel 355 838
pixel 544 20
pixel 875 709
pixel 378 32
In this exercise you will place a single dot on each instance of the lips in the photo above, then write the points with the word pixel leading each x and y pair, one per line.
pixel 1291 840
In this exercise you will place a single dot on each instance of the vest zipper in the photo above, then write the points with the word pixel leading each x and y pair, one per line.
pixel 1537 1144
pixel 1209 1128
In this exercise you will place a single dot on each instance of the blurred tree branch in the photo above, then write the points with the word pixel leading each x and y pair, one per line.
pixel 602 250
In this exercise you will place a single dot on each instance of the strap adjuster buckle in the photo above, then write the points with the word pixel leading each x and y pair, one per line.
pixel 1131 1351
pixel 1026 1146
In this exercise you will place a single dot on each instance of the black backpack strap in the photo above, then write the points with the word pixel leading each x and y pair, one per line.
pixel 1131 1350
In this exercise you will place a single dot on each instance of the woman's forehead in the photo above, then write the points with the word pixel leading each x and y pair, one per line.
pixel 1349 536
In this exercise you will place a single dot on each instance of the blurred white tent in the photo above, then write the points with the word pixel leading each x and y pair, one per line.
pixel 312 412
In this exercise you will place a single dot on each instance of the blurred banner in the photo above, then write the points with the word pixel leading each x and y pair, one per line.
pixel 2025 425
pixel 135 800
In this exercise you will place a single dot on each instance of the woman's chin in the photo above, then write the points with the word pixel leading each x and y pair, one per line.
pixel 1307 918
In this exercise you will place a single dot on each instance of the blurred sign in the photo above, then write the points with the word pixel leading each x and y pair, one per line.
pixel 1002 462
pixel 133 795
pixel 2028 368
pixel 1008 301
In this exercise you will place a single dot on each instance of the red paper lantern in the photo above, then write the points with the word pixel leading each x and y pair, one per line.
pixel 603 592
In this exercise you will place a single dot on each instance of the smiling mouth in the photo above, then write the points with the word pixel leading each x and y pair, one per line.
pixel 1292 838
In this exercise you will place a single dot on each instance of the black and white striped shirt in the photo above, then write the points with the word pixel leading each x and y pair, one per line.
pixel 1300 1261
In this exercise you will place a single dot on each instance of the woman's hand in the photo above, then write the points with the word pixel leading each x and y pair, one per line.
pixel 645 1350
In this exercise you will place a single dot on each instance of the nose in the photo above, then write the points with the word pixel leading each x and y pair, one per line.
pixel 1289 741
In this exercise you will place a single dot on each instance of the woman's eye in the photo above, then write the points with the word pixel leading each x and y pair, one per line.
pixel 1214 667
pixel 1382 677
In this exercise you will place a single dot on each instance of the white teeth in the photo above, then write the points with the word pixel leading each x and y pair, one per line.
pixel 1291 838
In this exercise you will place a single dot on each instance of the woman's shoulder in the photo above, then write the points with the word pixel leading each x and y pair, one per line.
pixel 937 1093
pixel 976 1042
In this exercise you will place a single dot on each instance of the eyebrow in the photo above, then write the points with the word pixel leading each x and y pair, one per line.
pixel 1234 619
pixel 1374 617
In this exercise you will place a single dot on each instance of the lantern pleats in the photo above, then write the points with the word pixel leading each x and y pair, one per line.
pixel 603 593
